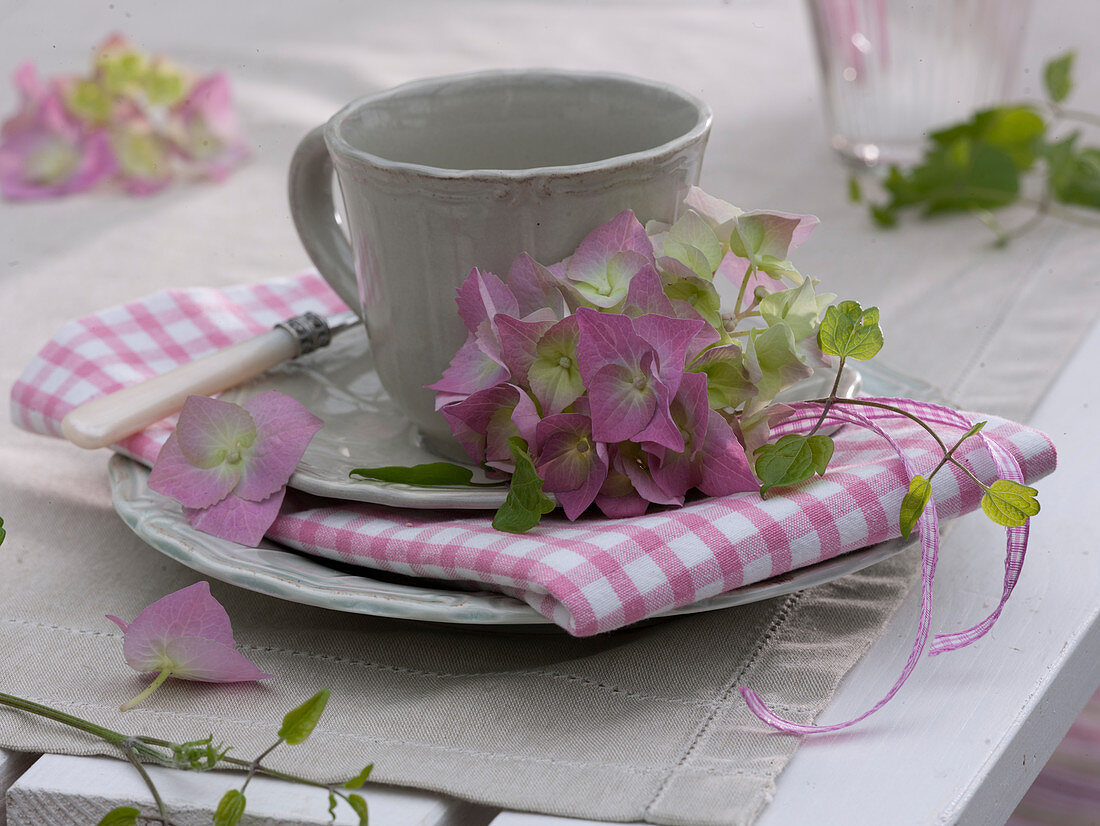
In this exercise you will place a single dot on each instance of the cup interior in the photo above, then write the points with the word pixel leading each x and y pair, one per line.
pixel 516 121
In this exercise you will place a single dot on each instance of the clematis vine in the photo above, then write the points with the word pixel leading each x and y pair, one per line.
pixel 138 120
pixel 186 635
pixel 228 464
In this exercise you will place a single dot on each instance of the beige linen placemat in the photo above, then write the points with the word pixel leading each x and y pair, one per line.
pixel 641 724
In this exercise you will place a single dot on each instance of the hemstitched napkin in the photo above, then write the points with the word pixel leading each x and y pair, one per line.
pixel 588 576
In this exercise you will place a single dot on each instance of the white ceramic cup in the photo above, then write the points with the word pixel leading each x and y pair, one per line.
pixel 442 175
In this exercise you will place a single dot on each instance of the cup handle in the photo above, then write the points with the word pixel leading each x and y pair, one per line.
pixel 316 220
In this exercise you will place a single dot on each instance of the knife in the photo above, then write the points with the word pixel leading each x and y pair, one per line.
pixel 113 417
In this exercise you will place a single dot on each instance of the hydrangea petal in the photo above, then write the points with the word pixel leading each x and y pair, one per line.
pixel 609 287
pixel 193 487
pixel 646 295
pixel 482 296
pixel 723 464
pixel 670 338
pixel 570 464
pixel 607 338
pixel 208 661
pixel 208 428
pixel 623 233
pixel 470 370
pixel 555 376
pixel 208 132
pixel 620 407
pixel 636 464
pixel 535 286
pixel 517 343
pixel 188 612
pixel 284 428
pixel 236 519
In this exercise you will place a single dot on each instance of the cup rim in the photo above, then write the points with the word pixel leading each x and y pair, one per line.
pixel 339 146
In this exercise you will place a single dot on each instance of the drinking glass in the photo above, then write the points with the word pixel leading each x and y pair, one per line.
pixel 894 70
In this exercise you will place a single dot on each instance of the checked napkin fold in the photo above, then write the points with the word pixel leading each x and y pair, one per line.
pixel 588 576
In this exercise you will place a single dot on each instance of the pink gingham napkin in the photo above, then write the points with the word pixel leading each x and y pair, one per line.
pixel 588 576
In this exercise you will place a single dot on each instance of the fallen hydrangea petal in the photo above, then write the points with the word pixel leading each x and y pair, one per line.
pixel 238 520
pixel 190 485
pixel 284 428
pixel 228 465
pixel 186 634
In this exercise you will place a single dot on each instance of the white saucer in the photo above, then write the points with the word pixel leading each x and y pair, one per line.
pixel 280 572
pixel 363 428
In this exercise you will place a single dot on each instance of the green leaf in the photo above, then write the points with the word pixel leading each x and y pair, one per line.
pixel 1009 503
pixel 914 503
pixel 855 193
pixel 360 805
pixel 360 778
pixel 1015 130
pixel 975 429
pixel 3 533
pixel 122 816
pixel 298 723
pixel 700 294
pixel 967 176
pixel 821 451
pixel 230 808
pixel 792 459
pixel 526 503
pixel 1058 77
pixel 332 805
pixel 427 475
pixel 884 216
pixel 1074 174
pixel 849 331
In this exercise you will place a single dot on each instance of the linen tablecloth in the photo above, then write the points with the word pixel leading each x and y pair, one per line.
pixel 540 722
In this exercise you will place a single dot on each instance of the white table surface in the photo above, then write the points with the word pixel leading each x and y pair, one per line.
pixel 968 733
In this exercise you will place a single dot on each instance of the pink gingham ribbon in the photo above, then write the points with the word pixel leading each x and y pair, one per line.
pixel 588 576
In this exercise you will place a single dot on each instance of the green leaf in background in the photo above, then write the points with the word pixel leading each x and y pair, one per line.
pixel 360 805
pixel 1015 130
pixel 1058 77
pixel 427 475
pixel 914 503
pixel 332 805
pixel 3 533
pixel 360 778
pixel 792 459
pixel 298 723
pixel 1074 173
pixel 122 816
pixel 526 503
pixel 230 808
pixel 1009 503
pixel 849 331
pixel 966 176
pixel 855 192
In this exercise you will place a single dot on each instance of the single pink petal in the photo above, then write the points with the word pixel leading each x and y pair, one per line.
pixel 284 428
pixel 471 369
pixel 238 520
pixel 623 233
pixel 193 487
pixel 571 465
pixel 121 623
pixel 208 427
pixel 781 232
pixel 661 429
pixel 636 464
pixel 209 661
pixel 723 463
pixel 646 295
pixel 188 612
pixel 607 338
pixel 517 344
pixel 482 296
pixel 623 402
pixel 719 215
pixel 617 498
pixel 535 286
pixel 670 338
pixel 471 440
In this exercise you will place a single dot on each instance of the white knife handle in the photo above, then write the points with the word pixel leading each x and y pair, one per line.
pixel 109 419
